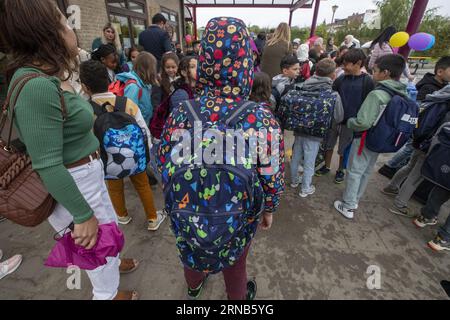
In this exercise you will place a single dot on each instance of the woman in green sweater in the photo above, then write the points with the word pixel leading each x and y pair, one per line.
pixel 60 141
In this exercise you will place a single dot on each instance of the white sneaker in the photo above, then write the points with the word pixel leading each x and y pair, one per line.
pixel 308 193
pixel 296 183
pixel 124 220
pixel 348 213
pixel 10 265
pixel 154 225
pixel 301 169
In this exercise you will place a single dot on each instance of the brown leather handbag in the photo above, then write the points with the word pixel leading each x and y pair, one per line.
pixel 23 197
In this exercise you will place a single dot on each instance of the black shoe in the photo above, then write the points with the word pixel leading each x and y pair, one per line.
pixel 387 171
pixel 2 219
pixel 252 289
pixel 194 294
pixel 322 171
pixel 340 177
pixel 446 286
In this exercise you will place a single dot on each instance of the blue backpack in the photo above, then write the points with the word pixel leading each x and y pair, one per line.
pixel 395 125
pixel 308 112
pixel 437 164
pixel 430 119
pixel 123 144
pixel 215 208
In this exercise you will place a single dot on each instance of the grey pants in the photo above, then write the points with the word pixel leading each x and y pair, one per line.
pixel 413 181
pixel 403 173
pixel 359 171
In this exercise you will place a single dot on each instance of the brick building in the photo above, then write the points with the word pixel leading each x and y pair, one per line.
pixel 129 16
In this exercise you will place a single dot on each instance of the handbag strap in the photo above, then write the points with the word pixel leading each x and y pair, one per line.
pixel 20 84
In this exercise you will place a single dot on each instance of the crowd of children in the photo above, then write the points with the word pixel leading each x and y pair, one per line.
pixel 323 94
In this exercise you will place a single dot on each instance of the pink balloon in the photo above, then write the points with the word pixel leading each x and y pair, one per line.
pixel 420 41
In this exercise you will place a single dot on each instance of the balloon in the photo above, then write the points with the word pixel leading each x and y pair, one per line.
pixel 420 41
pixel 433 41
pixel 399 39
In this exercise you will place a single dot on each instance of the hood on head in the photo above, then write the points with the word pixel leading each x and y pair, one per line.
pixel 303 53
pixel 441 95
pixel 226 60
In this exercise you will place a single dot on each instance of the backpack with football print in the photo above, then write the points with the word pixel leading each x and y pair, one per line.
pixel 123 144
pixel 213 207
pixel 308 112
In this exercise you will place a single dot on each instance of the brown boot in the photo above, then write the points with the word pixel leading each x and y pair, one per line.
pixel 127 296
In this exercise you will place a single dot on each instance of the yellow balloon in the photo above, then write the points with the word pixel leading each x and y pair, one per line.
pixel 399 39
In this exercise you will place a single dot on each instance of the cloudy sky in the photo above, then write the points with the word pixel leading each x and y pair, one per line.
pixel 303 17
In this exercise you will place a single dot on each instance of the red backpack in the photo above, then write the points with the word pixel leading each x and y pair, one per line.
pixel 162 113
pixel 118 88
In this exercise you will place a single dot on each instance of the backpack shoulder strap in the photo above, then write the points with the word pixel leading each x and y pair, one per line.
pixel 237 112
pixel 121 104
pixel 387 90
pixel 132 81
pixel 191 112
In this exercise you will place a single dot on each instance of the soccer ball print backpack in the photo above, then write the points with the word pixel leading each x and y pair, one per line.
pixel 123 144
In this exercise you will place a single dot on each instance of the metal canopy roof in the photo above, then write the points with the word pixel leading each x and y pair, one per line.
pixel 288 4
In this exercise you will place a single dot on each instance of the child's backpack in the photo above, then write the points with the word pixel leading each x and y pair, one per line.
pixel 308 112
pixel 160 116
pixel 437 164
pixel 394 126
pixel 430 120
pixel 118 88
pixel 215 206
pixel 277 97
pixel 123 144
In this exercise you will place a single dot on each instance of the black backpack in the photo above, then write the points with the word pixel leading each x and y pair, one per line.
pixel 430 119
pixel 437 164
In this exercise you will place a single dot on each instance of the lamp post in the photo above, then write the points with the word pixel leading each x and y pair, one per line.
pixel 334 8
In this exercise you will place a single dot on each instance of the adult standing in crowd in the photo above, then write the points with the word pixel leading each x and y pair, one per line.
pixel 155 39
pixel 331 46
pixel 276 49
pixel 56 126
pixel 110 36
pixel 260 42
pixel 351 42
pixel 380 47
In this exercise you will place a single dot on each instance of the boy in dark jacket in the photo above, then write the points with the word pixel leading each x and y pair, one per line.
pixel 434 82
pixel 353 87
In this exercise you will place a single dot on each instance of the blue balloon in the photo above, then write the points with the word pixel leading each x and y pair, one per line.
pixel 433 41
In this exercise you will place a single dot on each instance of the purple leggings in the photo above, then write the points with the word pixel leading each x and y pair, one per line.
pixel 235 278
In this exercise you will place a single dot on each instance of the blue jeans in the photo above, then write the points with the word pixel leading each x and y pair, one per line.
pixel 306 148
pixel 436 199
pixel 358 173
pixel 402 156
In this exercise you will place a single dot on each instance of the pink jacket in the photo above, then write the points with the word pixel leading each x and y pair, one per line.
pixel 379 52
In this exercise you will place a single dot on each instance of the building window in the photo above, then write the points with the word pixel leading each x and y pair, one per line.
pixel 172 23
pixel 129 19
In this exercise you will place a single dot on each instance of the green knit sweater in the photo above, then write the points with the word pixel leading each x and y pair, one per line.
pixel 53 142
